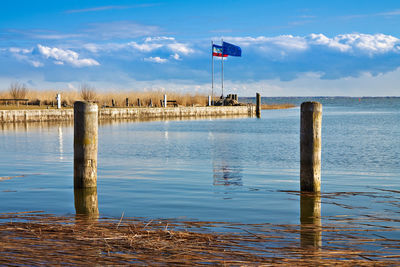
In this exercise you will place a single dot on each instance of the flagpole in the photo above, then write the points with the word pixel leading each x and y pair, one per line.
pixel 212 74
pixel 222 70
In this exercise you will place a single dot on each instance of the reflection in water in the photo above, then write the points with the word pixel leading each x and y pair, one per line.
pixel 60 142
pixel 227 167
pixel 310 221
pixel 227 175
pixel 166 119
pixel 27 126
pixel 86 202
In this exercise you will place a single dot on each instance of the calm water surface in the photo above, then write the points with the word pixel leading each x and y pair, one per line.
pixel 236 170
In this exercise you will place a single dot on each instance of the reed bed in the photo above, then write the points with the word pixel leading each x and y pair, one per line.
pixel 34 238
pixel 105 98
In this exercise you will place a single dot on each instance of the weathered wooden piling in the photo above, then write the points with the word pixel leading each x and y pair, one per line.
pixel 85 144
pixel 127 102
pixel 151 103
pixel 86 202
pixel 165 101
pixel 258 105
pixel 112 102
pixel 310 146
pixel 138 102
pixel 209 100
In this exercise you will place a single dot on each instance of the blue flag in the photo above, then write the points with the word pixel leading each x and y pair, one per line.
pixel 231 50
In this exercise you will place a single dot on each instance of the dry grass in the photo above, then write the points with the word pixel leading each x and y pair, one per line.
pixel 155 97
pixel 40 239
pixel 88 93
pixel 105 98
pixel 17 90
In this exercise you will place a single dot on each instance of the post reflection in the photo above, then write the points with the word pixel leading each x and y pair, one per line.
pixel 226 160
pixel 227 175
pixel 310 221
pixel 86 202
pixel 60 142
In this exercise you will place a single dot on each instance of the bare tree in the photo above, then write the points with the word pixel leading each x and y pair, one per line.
pixel 88 93
pixel 18 91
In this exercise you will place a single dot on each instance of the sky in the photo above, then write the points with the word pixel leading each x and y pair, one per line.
pixel 289 47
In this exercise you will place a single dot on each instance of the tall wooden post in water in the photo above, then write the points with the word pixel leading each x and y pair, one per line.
pixel 85 144
pixel 258 105
pixel 310 146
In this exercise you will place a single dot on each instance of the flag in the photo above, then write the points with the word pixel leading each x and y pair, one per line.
pixel 231 50
pixel 217 51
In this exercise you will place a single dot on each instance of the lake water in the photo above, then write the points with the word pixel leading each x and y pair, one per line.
pixel 234 170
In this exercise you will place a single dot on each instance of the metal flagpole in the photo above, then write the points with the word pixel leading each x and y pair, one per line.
pixel 222 69
pixel 212 75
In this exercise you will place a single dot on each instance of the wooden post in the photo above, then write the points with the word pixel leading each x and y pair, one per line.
pixel 151 103
pixel 127 102
pixel 258 105
pixel 209 100
pixel 85 144
pixel 310 146
pixel 138 102
pixel 113 102
pixel 86 202
pixel 165 101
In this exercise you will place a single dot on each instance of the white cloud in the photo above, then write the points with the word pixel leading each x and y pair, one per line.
pixel 56 36
pixel 355 43
pixel 62 56
pixel 289 42
pixel 23 54
pixel 390 13
pixel 19 50
pixel 150 44
pixel 371 44
pixel 156 59
pixel 36 63
pixel 320 39
pixel 119 30
pixel 144 47
pixel 176 56
pixel 358 43
pixel 180 48
pixel 159 38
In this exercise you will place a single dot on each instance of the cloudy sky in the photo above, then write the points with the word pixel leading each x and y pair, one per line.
pixel 289 47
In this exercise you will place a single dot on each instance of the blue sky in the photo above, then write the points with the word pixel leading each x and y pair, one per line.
pixel 289 48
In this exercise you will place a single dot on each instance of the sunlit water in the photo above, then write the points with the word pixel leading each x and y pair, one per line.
pixel 236 170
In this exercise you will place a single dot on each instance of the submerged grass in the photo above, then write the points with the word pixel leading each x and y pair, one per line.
pixel 34 238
